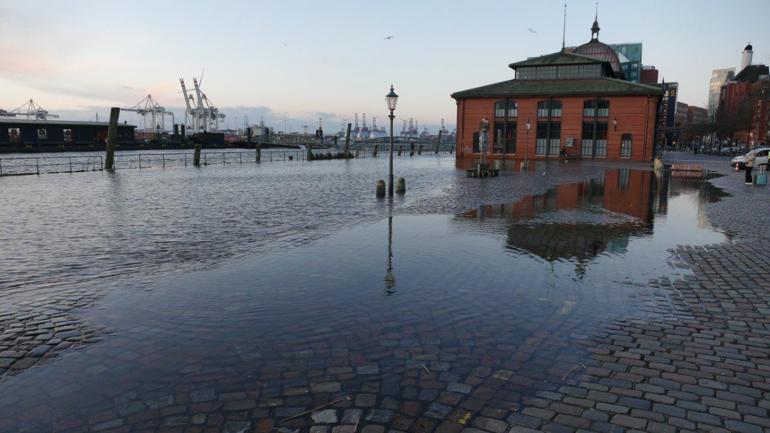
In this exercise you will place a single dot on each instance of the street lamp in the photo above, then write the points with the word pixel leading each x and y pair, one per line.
pixel 391 98
pixel 526 148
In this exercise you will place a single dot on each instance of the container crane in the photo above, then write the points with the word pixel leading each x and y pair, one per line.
pixel 153 114
pixel 30 110
pixel 200 114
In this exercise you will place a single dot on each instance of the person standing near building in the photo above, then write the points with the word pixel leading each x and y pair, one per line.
pixel 749 167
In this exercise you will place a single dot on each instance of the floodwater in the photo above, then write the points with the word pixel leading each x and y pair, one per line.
pixel 235 297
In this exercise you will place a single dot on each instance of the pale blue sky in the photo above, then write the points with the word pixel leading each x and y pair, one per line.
pixel 304 59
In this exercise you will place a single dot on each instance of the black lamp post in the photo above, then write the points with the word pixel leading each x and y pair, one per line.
pixel 391 98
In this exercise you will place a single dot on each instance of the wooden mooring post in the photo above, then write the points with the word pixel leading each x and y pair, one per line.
pixel 438 142
pixel 197 155
pixel 346 149
pixel 112 136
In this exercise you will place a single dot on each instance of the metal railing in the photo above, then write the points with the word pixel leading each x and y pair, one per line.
pixel 185 159
pixel 27 165
pixel 31 165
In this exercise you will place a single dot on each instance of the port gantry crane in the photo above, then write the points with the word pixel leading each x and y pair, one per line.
pixel 153 114
pixel 200 114
pixel 30 110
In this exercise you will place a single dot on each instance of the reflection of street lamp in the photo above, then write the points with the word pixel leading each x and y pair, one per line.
pixel 391 98
pixel 390 279
pixel 484 127
pixel 526 148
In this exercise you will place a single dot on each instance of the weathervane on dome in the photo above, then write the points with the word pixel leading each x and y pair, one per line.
pixel 595 27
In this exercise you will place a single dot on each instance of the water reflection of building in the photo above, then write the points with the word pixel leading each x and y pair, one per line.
pixel 571 222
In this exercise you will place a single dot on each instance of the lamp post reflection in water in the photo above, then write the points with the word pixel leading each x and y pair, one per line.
pixel 390 279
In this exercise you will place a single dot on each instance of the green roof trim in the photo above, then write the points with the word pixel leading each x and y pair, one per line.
pixel 558 58
pixel 574 87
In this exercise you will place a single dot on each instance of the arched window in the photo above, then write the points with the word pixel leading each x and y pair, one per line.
pixel 625 146
pixel 549 108
pixel 596 108
pixel 506 108
pixel 504 128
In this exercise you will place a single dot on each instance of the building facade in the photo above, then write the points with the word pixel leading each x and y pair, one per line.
pixel 718 79
pixel 696 115
pixel 31 135
pixel 561 102
pixel 630 59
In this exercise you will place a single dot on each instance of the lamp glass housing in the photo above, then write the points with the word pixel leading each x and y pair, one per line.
pixel 391 98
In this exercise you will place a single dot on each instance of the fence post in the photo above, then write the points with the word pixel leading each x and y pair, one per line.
pixel 70 160
pixel 140 161
pixel 240 158
pixel 163 158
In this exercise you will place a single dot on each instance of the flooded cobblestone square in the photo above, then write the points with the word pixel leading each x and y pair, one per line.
pixel 248 297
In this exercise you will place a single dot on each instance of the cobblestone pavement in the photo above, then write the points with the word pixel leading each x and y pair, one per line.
pixel 689 354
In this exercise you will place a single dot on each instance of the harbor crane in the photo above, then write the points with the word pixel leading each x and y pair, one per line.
pixel 200 114
pixel 153 114
pixel 30 110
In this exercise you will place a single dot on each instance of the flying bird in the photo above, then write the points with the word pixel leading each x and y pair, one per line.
pixel 387 38
pixel 531 30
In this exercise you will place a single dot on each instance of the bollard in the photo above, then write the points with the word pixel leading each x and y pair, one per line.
pixel 380 188
pixel 401 186
pixel 197 155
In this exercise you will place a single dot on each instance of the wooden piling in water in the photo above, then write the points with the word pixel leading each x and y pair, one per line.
pixel 438 142
pixel 346 149
pixel 374 151
pixel 380 188
pixel 197 155
pixel 112 137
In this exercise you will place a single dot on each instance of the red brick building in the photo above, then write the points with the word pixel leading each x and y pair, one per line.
pixel 561 101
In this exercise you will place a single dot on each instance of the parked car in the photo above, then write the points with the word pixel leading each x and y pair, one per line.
pixel 760 155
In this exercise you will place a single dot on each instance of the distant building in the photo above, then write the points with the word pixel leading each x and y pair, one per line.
pixel 718 78
pixel 696 115
pixel 571 101
pixel 736 91
pixel 667 132
pixel 649 75
pixel 630 55
pixel 680 115
pixel 34 135
pixel 743 101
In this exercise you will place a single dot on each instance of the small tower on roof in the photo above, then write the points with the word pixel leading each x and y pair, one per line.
pixel 746 57
pixel 595 28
